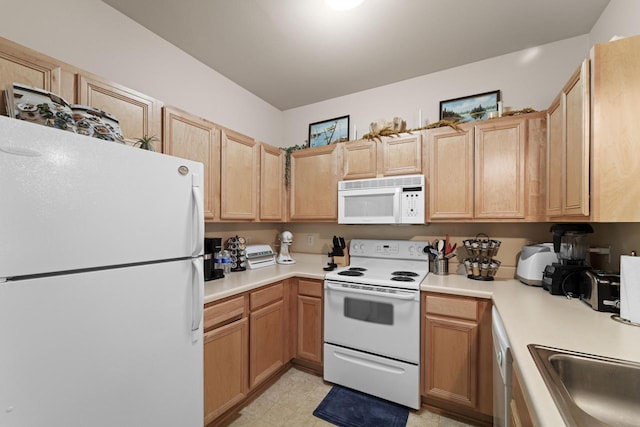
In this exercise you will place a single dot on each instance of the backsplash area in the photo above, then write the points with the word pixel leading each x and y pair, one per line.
pixel 317 238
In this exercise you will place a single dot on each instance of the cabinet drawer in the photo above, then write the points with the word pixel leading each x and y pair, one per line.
pixel 312 288
pixel 266 296
pixel 224 312
pixel 462 308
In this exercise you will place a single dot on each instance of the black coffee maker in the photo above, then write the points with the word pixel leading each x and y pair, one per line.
pixel 569 242
pixel 212 245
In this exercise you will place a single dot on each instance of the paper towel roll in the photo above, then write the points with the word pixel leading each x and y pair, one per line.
pixel 630 288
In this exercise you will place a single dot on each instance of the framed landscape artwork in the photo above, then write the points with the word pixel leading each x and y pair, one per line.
pixel 470 108
pixel 329 131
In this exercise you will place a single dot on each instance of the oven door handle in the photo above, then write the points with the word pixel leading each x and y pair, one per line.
pixel 399 295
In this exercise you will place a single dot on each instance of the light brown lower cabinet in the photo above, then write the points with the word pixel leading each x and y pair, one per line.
pixel 457 355
pixel 266 333
pixel 309 338
pixel 520 415
pixel 226 351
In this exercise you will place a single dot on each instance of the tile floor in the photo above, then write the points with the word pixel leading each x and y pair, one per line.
pixel 293 398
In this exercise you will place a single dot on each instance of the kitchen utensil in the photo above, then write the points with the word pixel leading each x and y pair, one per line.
pixel 286 239
pixel 440 248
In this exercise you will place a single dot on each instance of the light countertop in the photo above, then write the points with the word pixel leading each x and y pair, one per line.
pixel 530 316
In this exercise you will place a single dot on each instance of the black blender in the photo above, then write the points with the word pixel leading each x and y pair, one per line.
pixel 569 242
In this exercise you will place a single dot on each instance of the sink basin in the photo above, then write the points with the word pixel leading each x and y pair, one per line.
pixel 590 390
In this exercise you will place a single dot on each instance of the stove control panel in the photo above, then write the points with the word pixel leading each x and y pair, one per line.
pixel 395 249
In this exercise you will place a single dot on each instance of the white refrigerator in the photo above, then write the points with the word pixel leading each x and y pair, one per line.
pixel 101 283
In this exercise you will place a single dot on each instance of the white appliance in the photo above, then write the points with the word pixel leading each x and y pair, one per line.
pixel 286 239
pixel 532 262
pixel 259 256
pixel 372 320
pixel 101 282
pixel 501 372
pixel 393 200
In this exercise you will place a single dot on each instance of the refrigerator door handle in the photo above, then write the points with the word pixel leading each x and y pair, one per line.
pixel 197 295
pixel 197 196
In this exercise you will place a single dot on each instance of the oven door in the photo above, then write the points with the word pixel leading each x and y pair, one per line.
pixel 381 320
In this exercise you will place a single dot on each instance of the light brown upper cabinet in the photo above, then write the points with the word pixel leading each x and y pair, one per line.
pixel 240 157
pixel 272 197
pixel 196 139
pixel 360 159
pixel 491 170
pixel 615 134
pixel 139 115
pixel 400 155
pixel 314 183
pixel 568 148
pixel 25 66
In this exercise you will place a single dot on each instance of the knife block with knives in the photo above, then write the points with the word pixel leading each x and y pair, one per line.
pixel 340 252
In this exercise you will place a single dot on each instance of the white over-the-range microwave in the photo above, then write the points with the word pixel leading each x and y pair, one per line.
pixel 392 200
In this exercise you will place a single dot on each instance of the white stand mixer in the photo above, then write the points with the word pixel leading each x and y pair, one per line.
pixel 286 239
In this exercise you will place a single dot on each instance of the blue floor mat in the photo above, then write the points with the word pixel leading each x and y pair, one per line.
pixel 348 408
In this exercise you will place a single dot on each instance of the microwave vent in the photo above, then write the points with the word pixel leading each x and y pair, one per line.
pixel 399 181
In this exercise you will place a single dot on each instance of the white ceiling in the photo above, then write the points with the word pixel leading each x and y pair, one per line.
pixel 296 52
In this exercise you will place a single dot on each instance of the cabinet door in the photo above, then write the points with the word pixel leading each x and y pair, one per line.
pixel 450 163
pixel 139 115
pixel 239 176
pixel 555 132
pixel 271 183
pixel 520 415
pixel 314 183
pixel 576 151
pixel 500 149
pixel 309 340
pixel 225 368
pixel 451 360
pixel 20 65
pixel 196 139
pixel 267 342
pixel 359 159
pixel 401 156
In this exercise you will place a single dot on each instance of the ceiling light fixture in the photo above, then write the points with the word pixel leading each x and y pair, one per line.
pixel 343 4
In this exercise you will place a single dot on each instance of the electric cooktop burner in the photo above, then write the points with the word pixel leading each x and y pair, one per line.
pixel 402 279
pixel 357 269
pixel 404 273
pixel 350 272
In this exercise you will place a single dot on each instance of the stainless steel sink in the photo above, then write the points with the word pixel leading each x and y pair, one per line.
pixel 590 390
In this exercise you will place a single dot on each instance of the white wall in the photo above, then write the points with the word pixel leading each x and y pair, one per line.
pixel 620 18
pixel 529 78
pixel 93 36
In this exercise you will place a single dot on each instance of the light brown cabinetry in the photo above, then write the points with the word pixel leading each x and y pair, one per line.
pixel 226 345
pixel 492 170
pixel 272 197
pixel 240 156
pixel 193 138
pixel 309 322
pixel 19 64
pixel 391 156
pixel 568 148
pixel 457 355
pixel 314 183
pixel 520 415
pixel 615 157
pixel 139 114
pixel 267 341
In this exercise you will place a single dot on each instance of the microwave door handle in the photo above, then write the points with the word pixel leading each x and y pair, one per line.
pixel 397 203
pixel 398 295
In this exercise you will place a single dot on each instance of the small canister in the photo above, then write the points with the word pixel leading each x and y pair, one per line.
pixel 441 266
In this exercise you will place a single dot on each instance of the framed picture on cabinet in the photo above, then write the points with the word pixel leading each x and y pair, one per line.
pixel 470 108
pixel 329 131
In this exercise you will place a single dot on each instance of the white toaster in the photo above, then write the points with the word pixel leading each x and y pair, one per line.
pixel 533 259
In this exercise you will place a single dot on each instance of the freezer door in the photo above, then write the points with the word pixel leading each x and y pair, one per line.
pixel 71 202
pixel 107 348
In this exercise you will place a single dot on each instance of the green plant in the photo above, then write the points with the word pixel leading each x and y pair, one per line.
pixel 146 142
pixel 287 161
